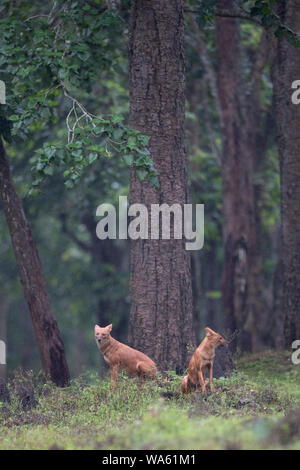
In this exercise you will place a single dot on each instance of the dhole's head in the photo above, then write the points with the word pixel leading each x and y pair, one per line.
pixel 102 335
pixel 214 338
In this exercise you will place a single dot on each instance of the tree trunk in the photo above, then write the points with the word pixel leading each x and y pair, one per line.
pixel 242 268
pixel 3 329
pixel 28 350
pixel 161 322
pixel 48 337
pixel 288 129
pixel 79 352
pixel 278 333
pixel 196 288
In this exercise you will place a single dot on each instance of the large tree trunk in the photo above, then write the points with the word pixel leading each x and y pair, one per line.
pixel 242 268
pixel 161 318
pixel 288 128
pixel 48 337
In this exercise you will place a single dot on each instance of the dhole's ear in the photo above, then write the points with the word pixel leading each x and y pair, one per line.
pixel 208 331
pixel 109 327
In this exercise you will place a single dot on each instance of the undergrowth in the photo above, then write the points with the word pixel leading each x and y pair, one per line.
pixel 258 407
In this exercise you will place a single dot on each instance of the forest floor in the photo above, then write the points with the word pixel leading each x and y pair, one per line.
pixel 257 408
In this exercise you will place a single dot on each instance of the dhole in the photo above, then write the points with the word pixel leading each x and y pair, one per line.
pixel 202 358
pixel 119 355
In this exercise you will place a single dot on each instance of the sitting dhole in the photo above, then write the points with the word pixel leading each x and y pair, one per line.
pixel 202 358
pixel 119 355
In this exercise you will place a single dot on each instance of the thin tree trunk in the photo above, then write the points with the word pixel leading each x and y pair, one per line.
pixel 3 328
pixel 48 337
pixel 288 129
pixel 211 278
pixel 161 317
pixel 196 286
pixel 79 352
pixel 192 125
pixel 279 317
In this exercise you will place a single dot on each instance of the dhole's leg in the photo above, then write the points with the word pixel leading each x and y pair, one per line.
pixel 202 382
pixel 211 377
pixel 114 377
pixel 185 385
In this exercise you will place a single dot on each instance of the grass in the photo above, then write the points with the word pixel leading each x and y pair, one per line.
pixel 257 408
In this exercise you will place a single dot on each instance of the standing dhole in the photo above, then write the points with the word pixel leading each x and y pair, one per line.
pixel 119 355
pixel 203 358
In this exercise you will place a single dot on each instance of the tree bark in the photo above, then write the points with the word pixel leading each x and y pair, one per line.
pixel 161 323
pixel 242 266
pixel 288 130
pixel 48 337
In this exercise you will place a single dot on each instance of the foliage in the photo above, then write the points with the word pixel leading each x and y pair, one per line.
pixel 205 12
pixel 81 152
pixel 46 57
pixel 264 9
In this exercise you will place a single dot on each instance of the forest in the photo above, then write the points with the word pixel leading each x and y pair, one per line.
pixel 149 180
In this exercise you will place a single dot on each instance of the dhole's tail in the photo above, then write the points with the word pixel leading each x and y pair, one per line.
pixel 143 368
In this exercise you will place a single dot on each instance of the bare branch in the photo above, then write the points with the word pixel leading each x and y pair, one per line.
pixel 238 13
pixel 263 54
pixel 84 114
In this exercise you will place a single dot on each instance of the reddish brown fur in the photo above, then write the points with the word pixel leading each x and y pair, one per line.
pixel 119 355
pixel 202 358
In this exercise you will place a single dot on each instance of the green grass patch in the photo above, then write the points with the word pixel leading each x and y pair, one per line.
pixel 257 408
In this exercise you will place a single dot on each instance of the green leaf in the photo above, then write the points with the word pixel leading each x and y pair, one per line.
pixel 48 170
pixel 62 73
pixel 49 152
pixel 77 153
pixel 132 142
pixel 92 157
pixel 140 161
pixel 153 179
pixel 117 118
pixel 14 117
pixel 141 174
pixel 128 158
pixel 69 184
pixel 143 139
pixel 33 192
pixel 96 148
pixel 40 166
pixel 118 133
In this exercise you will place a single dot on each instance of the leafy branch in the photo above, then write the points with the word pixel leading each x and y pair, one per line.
pixel 92 137
pixel 261 13
pixel 264 10
pixel 42 57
